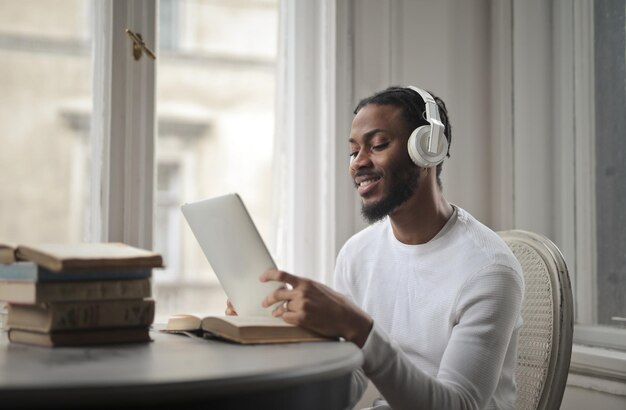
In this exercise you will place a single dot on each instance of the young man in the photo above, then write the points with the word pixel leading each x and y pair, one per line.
pixel 429 294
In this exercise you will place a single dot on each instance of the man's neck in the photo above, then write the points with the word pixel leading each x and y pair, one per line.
pixel 419 219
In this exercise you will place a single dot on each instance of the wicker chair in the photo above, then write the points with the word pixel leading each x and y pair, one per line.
pixel 545 339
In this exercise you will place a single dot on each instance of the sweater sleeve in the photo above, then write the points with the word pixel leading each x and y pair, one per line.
pixel 484 320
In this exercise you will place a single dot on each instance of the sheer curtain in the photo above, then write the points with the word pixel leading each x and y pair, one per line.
pixel 314 211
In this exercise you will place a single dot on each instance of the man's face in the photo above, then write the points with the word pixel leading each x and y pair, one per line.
pixel 383 173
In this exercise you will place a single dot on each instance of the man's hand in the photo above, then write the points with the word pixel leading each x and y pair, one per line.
pixel 317 307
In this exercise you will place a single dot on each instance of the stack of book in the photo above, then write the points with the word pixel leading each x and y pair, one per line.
pixel 77 294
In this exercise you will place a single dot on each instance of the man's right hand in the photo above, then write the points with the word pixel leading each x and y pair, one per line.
pixel 317 307
pixel 230 310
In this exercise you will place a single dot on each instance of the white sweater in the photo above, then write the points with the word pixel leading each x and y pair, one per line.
pixel 446 315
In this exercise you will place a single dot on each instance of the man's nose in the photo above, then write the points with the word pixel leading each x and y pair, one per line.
pixel 362 159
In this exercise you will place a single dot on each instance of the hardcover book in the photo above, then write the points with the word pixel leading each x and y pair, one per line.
pixel 30 271
pixel 244 330
pixel 59 257
pixel 80 337
pixel 29 292
pixel 49 317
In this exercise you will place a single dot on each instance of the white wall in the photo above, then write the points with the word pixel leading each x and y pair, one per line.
pixel 492 62
pixel 441 46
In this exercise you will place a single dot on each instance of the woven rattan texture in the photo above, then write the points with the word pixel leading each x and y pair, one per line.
pixel 535 339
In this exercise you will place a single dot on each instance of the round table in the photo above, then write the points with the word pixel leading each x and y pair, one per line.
pixel 176 371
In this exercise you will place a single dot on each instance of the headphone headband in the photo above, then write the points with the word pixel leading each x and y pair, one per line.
pixel 432 110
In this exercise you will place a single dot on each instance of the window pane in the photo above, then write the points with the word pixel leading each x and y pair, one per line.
pixel 46 82
pixel 610 108
pixel 215 108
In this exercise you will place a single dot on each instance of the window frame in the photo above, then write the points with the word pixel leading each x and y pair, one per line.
pixel 124 127
pixel 584 160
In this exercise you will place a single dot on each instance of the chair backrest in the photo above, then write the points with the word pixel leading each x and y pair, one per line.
pixel 545 339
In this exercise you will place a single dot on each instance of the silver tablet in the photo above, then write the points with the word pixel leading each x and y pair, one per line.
pixel 235 250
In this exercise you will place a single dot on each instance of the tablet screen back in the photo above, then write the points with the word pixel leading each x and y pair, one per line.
pixel 235 250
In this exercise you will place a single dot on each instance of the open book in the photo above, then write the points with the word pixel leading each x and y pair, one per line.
pixel 244 330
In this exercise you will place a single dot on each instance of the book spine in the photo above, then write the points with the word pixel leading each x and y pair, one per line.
pixel 30 271
pixel 96 290
pixel 80 338
pixel 46 275
pixel 26 292
pixel 19 271
pixel 82 315
pixel 116 313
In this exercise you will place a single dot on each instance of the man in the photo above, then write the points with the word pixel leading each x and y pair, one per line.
pixel 429 294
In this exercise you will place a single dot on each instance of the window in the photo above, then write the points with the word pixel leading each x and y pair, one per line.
pixel 215 111
pixel 594 143
pixel 168 24
pixel 559 147
pixel 46 75
pixel 105 173
pixel 107 179
pixel 601 174
pixel 610 160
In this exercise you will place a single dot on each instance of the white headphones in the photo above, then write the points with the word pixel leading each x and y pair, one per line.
pixel 427 144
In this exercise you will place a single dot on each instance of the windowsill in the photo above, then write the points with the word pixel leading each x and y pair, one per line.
pixel 598 369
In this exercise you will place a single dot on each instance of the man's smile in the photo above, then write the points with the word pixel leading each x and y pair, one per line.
pixel 366 183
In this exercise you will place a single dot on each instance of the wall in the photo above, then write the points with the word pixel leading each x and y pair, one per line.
pixel 492 62
pixel 440 46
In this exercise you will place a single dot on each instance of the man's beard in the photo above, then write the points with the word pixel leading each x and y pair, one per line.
pixel 403 187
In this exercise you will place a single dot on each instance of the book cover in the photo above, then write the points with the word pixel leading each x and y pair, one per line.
pixel 64 256
pixel 243 330
pixel 80 337
pixel 30 271
pixel 49 317
pixel 29 292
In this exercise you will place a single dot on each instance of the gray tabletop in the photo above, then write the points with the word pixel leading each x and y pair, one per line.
pixel 175 368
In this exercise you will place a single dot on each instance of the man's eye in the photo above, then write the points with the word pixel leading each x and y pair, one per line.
pixel 380 147
pixel 353 154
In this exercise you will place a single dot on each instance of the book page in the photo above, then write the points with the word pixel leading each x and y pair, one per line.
pixel 259 321
pixel 183 322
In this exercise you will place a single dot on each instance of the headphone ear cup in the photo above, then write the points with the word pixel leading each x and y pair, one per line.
pixel 418 148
